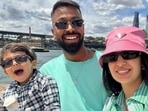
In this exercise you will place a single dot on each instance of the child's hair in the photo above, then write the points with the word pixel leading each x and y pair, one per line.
pixel 15 47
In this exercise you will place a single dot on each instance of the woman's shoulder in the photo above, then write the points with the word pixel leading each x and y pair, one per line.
pixel 109 102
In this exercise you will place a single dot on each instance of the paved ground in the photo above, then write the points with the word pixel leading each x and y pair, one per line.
pixel 2 88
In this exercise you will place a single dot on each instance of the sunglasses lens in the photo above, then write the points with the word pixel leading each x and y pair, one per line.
pixel 18 59
pixel 21 59
pixel 61 24
pixel 110 57
pixel 77 23
pixel 6 63
pixel 126 55
pixel 130 55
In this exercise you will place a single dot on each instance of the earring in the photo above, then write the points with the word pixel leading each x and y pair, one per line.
pixel 142 67
pixel 109 72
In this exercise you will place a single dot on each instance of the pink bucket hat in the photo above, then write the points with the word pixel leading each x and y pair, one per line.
pixel 124 39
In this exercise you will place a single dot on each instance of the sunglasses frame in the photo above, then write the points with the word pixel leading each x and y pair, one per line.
pixel 126 55
pixel 18 59
pixel 75 23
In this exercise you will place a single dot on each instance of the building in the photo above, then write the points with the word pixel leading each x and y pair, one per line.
pixel 136 19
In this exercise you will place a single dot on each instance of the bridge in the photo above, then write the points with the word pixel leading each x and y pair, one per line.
pixel 22 34
pixel 31 38
pixel 39 40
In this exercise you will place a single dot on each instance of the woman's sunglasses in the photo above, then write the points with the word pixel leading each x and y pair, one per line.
pixel 18 59
pixel 126 55
pixel 64 24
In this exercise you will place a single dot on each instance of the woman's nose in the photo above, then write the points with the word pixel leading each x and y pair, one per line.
pixel 120 61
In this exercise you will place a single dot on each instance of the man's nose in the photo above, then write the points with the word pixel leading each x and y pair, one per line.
pixel 70 26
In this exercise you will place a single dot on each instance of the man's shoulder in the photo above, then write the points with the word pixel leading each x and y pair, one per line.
pixel 53 66
pixel 51 63
pixel 97 53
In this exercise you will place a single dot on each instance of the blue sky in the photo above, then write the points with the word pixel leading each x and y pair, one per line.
pixel 100 16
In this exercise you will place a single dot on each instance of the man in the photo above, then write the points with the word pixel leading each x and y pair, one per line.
pixel 77 71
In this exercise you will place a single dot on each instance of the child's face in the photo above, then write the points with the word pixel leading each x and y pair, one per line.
pixel 22 71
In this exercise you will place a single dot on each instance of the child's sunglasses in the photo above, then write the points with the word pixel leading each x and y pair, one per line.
pixel 64 24
pixel 18 59
pixel 126 55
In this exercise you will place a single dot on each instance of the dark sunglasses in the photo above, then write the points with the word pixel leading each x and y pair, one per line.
pixel 19 59
pixel 64 24
pixel 126 55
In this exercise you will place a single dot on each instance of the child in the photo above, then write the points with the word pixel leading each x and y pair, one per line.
pixel 125 70
pixel 30 90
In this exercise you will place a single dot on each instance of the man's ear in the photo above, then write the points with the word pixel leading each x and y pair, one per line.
pixel 52 30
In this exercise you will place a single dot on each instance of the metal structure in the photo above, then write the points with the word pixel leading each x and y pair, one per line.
pixel 136 19
pixel 8 36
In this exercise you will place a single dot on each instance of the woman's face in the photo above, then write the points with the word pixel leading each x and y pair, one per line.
pixel 126 71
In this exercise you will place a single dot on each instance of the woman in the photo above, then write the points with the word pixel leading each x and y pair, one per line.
pixel 125 70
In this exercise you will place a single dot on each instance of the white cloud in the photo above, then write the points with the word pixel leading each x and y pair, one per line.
pixel 128 3
pixel 100 15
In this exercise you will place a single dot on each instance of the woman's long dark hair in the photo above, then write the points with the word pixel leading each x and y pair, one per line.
pixel 114 87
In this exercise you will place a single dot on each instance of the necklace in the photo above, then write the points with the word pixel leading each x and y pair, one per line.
pixel 75 81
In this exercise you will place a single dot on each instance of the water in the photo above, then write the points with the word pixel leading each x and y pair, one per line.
pixel 42 58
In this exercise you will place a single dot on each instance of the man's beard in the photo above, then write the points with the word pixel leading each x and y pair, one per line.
pixel 72 48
